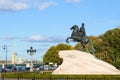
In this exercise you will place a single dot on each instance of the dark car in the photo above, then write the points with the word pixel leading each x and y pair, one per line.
pixel 8 69
pixel 27 68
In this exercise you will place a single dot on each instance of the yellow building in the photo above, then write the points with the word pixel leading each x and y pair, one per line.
pixel 14 56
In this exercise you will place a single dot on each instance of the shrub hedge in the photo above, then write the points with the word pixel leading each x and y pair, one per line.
pixel 47 75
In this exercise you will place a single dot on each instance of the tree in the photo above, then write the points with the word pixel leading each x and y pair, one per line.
pixel 52 54
pixel 112 37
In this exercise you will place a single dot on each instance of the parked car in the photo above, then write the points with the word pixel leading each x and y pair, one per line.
pixel 1 69
pixel 44 67
pixel 53 68
pixel 8 68
pixel 20 68
pixel 27 68
pixel 41 68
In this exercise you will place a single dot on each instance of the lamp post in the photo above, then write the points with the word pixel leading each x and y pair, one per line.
pixel 31 51
pixel 5 48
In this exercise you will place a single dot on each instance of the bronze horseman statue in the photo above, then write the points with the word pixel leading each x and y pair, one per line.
pixel 79 35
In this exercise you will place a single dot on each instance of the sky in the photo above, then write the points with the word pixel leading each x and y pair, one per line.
pixel 44 23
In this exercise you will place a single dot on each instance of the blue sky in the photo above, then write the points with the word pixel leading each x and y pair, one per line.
pixel 43 23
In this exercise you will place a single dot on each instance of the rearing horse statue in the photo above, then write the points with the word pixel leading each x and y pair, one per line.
pixel 79 35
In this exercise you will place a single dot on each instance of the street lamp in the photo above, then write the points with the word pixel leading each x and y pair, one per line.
pixel 5 48
pixel 31 51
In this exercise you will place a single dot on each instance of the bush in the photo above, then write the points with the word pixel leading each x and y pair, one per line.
pixel 47 75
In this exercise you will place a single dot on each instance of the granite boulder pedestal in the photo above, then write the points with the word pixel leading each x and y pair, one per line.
pixel 78 63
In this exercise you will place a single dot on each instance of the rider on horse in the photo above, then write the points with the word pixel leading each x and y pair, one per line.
pixel 79 35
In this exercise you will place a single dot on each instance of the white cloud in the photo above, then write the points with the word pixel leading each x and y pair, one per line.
pixel 44 39
pixel 36 38
pixel 8 37
pixel 19 5
pixel 73 1
pixel 14 5
pixel 42 5
pixel 46 5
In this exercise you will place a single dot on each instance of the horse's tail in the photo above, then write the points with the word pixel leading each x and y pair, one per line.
pixel 92 50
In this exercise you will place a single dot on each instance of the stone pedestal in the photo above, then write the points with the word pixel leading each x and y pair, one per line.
pixel 77 62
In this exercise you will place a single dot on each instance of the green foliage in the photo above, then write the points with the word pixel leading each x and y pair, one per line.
pixel 28 75
pixel 112 37
pixel 52 53
pixel 48 76
pixel 78 46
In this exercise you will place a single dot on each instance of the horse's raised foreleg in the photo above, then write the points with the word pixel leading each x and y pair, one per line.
pixel 67 40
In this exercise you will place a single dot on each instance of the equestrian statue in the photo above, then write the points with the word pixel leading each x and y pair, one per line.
pixel 79 35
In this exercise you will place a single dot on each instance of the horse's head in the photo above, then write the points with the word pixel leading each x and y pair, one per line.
pixel 75 28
